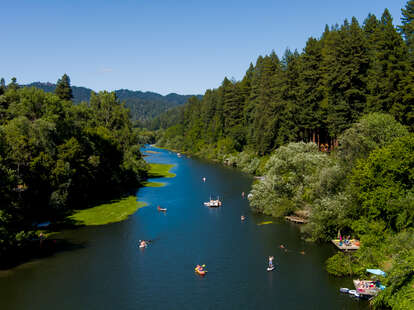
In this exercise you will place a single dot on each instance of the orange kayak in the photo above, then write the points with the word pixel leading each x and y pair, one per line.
pixel 201 272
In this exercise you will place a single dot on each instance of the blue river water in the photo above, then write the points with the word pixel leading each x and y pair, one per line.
pixel 106 270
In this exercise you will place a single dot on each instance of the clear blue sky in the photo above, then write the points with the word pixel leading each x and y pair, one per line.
pixel 164 46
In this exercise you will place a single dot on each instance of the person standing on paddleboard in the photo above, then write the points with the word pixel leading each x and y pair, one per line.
pixel 271 258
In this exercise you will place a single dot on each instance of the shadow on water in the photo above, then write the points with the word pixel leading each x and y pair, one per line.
pixel 37 249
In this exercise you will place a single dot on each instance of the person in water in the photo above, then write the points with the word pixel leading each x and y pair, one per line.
pixel 143 244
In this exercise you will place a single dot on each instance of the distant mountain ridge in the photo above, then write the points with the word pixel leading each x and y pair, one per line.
pixel 143 105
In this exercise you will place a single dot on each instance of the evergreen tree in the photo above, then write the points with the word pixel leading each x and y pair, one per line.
pixel 407 27
pixel 345 67
pixel 312 113
pixel 387 68
pixel 63 89
pixel 2 86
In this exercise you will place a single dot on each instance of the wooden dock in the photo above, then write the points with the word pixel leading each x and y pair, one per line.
pixel 354 245
pixel 296 219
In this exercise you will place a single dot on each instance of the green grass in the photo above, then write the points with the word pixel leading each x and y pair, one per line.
pixel 119 210
pixel 115 211
pixel 153 184
pixel 160 171
pixel 265 223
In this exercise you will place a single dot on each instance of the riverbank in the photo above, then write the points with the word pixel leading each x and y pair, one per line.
pixel 115 211
pixel 120 209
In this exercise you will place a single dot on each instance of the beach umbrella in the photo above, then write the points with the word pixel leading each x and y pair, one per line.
pixel 378 272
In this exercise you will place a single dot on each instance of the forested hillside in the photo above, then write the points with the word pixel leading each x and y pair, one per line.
pixel 314 95
pixel 142 105
pixel 56 156
pixel 329 129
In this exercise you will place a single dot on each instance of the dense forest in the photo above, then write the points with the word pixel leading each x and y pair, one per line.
pixel 56 156
pixel 143 106
pixel 330 129
pixel 314 96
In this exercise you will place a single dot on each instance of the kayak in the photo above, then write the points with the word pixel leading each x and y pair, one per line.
pixel 162 209
pixel 201 272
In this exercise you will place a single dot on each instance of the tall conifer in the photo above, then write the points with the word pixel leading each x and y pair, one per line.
pixel 63 89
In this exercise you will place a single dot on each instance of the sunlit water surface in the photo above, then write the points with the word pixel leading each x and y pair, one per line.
pixel 106 269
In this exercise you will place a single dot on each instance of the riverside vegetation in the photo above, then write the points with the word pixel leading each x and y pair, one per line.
pixel 56 156
pixel 330 131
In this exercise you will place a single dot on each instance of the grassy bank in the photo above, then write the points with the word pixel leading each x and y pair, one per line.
pixel 112 212
pixel 119 210
pixel 160 171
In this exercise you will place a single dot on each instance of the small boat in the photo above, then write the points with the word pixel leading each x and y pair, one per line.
pixel 270 268
pixel 352 292
pixel 161 209
pixel 213 203
pixel 344 290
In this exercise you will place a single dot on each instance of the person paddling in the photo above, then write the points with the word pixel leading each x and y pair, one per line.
pixel 143 244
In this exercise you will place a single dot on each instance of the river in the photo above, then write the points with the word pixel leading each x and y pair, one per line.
pixel 106 270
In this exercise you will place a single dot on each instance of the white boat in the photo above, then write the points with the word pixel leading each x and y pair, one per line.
pixel 213 203
pixel 270 268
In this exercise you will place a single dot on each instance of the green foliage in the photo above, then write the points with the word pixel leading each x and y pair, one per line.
pixel 290 170
pixel 340 264
pixel 55 155
pixel 372 131
pixel 383 181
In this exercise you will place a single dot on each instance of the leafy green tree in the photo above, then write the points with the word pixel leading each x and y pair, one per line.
pixel 382 180
pixel 373 131
pixel 290 170
pixel 13 84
